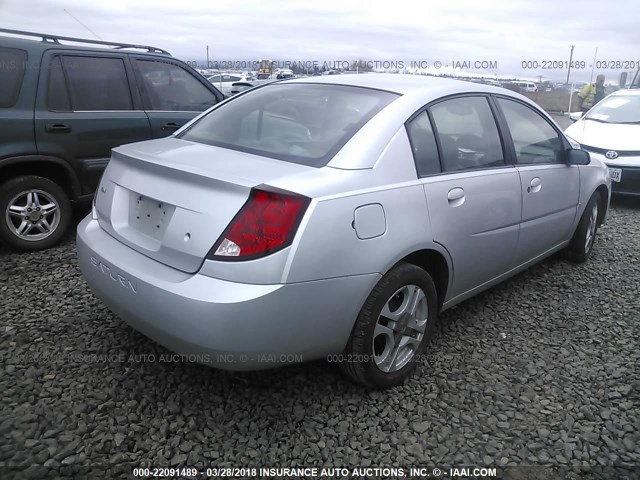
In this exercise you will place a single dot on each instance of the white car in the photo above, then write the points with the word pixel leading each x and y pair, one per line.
pixel 610 131
pixel 284 73
pixel 527 86
pixel 225 81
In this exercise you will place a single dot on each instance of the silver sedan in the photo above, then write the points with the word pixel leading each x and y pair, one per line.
pixel 334 217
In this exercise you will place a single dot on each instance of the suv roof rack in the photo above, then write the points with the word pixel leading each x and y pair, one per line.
pixel 47 38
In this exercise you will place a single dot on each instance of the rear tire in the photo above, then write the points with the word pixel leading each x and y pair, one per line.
pixel 34 213
pixel 581 245
pixel 393 329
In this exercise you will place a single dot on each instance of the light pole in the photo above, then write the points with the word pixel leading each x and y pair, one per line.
pixel 570 59
pixel 595 55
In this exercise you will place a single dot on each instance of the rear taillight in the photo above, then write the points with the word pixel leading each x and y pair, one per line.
pixel 265 224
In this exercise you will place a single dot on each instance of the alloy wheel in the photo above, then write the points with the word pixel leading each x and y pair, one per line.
pixel 33 215
pixel 400 328
pixel 591 229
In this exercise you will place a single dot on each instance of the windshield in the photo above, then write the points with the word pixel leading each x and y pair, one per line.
pixel 617 109
pixel 299 123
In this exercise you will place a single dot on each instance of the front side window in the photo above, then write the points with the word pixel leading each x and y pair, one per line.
pixel 467 134
pixel 97 83
pixel 171 88
pixel 12 64
pixel 299 123
pixel 534 139
pixel 423 144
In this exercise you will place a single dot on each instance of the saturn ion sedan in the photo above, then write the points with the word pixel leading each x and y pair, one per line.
pixel 333 218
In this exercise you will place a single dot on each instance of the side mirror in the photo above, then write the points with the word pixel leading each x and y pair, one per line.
pixel 575 156
pixel 575 116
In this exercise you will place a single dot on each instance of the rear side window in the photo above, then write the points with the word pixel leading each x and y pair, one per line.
pixel 169 87
pixel 467 133
pixel 299 123
pixel 12 65
pixel 423 144
pixel 97 83
pixel 57 94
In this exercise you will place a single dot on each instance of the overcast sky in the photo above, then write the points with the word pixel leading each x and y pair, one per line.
pixel 505 31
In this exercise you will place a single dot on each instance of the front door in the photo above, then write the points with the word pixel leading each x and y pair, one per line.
pixel 550 187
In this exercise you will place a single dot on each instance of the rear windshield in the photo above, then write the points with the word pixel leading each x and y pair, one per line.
pixel 295 122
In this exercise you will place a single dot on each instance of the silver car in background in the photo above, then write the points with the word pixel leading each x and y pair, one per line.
pixel 334 217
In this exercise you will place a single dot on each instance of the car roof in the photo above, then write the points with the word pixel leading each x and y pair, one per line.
pixel 38 45
pixel 401 83
pixel 627 91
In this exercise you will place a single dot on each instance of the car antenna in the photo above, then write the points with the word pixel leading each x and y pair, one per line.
pixel 94 33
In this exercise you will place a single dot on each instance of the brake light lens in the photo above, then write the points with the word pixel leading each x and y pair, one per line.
pixel 265 224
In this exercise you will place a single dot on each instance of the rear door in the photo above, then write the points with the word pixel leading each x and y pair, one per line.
pixel 473 195
pixel 86 106
pixel 550 188
pixel 16 109
pixel 172 94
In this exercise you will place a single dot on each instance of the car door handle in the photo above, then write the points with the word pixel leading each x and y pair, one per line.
pixel 535 186
pixel 170 126
pixel 57 128
pixel 455 197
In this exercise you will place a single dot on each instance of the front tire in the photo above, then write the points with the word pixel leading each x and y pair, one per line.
pixel 35 213
pixel 393 328
pixel 581 245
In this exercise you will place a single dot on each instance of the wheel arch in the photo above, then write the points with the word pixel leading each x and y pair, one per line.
pixel 436 262
pixel 52 168
pixel 604 203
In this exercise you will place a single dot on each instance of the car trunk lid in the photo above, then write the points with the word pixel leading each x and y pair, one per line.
pixel 171 199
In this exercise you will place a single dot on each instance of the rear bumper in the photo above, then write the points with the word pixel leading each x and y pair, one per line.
pixel 233 326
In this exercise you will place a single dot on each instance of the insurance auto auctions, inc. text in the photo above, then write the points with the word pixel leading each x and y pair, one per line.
pixel 303 65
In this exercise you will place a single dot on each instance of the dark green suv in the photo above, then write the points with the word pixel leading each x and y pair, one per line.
pixel 63 107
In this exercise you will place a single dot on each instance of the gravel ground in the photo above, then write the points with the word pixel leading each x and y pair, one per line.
pixel 543 370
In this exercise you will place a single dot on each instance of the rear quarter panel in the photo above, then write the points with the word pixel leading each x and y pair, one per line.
pixel 328 244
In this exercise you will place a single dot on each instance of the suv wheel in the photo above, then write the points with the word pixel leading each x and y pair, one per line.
pixel 35 213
